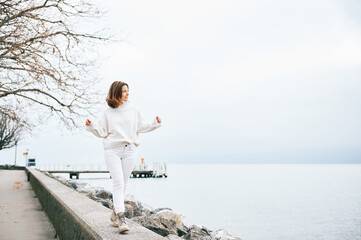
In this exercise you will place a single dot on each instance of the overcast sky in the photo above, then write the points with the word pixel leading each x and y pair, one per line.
pixel 233 81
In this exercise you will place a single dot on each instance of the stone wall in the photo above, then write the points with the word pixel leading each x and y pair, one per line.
pixel 75 216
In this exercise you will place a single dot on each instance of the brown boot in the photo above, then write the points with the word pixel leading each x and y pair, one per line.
pixel 122 226
pixel 114 219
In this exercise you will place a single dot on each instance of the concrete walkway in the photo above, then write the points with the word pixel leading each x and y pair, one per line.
pixel 21 215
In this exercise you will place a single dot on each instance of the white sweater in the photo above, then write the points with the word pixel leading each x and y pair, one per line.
pixel 122 125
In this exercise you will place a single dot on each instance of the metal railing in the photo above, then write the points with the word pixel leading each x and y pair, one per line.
pixel 159 168
pixel 71 167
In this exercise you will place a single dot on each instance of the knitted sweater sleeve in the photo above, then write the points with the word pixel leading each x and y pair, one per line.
pixel 100 127
pixel 143 126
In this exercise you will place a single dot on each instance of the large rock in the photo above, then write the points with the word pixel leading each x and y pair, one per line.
pixel 76 184
pixel 130 198
pixel 131 207
pixel 159 209
pixel 97 189
pixel 222 234
pixel 51 175
pixel 199 233
pixel 85 190
pixel 174 237
pixel 160 226
pixel 83 185
pixel 106 202
pixel 60 179
pixel 103 194
pixel 180 221
pixel 164 223
pixel 132 211
pixel 73 185
pixel 145 208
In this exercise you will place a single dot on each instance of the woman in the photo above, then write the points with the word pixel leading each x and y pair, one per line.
pixel 119 126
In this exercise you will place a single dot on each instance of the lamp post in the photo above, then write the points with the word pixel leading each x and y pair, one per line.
pixel 26 157
pixel 16 150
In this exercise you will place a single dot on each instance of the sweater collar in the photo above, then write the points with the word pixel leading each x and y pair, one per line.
pixel 124 105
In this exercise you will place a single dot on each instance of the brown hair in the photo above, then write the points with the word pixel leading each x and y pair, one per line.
pixel 115 93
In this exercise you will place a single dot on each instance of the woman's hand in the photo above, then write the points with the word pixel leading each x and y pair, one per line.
pixel 158 119
pixel 88 122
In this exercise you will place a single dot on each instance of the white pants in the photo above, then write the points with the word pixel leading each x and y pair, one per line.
pixel 120 163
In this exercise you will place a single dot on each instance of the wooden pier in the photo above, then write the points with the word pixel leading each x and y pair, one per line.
pixel 76 173
pixel 142 170
pixel 139 171
pixel 146 174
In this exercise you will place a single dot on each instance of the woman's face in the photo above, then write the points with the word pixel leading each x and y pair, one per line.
pixel 125 93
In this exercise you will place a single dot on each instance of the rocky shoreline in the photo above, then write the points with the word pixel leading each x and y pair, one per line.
pixel 163 221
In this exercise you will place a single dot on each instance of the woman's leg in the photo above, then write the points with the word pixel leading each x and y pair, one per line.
pixel 128 160
pixel 114 165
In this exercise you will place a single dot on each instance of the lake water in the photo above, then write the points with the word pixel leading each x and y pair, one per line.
pixel 257 202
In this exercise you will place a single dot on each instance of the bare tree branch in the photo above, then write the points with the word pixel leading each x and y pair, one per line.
pixel 45 62
pixel 10 131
